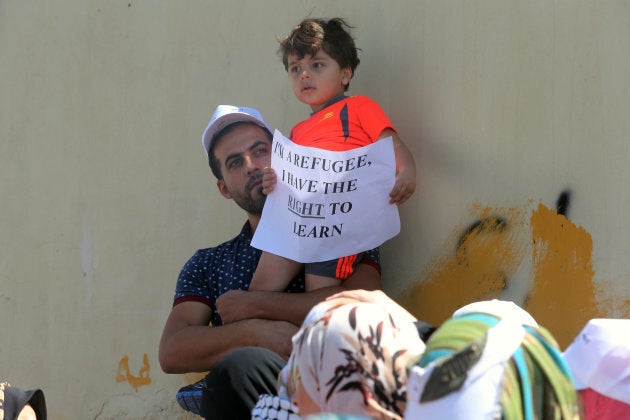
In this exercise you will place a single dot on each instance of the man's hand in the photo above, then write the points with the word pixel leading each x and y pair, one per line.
pixel 276 336
pixel 189 344
pixel 239 305
pixel 358 295
pixel 232 306
pixel 375 296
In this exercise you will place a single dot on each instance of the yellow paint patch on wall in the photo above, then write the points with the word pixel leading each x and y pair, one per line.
pixel 475 264
pixel 124 373
pixel 613 297
pixel 614 307
pixel 562 297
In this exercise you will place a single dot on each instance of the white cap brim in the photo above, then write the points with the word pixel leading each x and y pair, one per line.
pixel 226 115
pixel 480 392
pixel 500 308
pixel 599 358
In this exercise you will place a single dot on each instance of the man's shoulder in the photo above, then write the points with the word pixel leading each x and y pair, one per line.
pixel 239 243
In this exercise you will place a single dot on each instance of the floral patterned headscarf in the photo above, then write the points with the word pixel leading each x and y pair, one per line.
pixel 351 358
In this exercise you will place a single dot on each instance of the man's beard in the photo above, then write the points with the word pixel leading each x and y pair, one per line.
pixel 251 200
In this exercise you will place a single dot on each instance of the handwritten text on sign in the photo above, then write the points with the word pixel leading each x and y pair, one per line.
pixel 328 204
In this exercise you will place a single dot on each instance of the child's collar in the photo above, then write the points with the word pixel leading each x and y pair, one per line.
pixel 332 101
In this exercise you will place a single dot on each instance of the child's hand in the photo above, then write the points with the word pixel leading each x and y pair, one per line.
pixel 405 183
pixel 269 180
pixel 403 188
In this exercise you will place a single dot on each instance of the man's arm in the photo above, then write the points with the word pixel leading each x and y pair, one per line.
pixel 238 305
pixel 190 344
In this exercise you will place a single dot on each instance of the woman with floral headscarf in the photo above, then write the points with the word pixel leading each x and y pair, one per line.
pixel 350 357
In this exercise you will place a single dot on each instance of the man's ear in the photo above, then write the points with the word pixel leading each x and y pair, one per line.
pixel 223 189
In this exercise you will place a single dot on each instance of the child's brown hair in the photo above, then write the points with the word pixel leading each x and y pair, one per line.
pixel 311 35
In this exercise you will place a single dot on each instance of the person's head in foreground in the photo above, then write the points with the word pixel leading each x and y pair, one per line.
pixel 599 358
pixel 491 360
pixel 19 404
pixel 350 359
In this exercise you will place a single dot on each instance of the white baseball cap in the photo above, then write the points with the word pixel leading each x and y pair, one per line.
pixel 479 395
pixel 468 383
pixel 599 358
pixel 499 308
pixel 226 115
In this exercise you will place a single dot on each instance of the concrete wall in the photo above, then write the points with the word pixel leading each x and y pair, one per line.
pixel 516 111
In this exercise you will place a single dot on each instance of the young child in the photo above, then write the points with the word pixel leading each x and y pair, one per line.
pixel 320 57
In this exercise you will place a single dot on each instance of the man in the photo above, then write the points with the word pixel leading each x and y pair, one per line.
pixel 243 337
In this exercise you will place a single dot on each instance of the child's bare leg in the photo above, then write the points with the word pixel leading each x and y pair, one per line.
pixel 314 281
pixel 274 273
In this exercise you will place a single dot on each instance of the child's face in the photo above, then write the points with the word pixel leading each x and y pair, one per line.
pixel 317 79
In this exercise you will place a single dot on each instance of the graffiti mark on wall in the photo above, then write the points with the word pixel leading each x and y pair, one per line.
pixel 562 205
pixel 542 262
pixel 488 224
pixel 486 257
pixel 124 374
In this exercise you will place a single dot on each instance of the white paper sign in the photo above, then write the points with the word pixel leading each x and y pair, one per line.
pixel 326 204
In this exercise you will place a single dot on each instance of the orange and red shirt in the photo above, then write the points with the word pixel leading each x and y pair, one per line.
pixel 346 124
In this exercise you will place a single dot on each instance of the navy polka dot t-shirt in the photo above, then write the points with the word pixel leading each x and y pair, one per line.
pixel 210 272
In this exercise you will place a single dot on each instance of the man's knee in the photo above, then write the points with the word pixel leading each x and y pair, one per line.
pixel 235 382
pixel 248 359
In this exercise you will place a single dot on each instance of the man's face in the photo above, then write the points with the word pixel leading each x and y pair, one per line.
pixel 242 154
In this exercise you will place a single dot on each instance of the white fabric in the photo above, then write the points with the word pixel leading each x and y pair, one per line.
pixel 225 115
pixel 273 407
pixel 499 308
pixel 599 358
pixel 478 398
pixel 352 359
